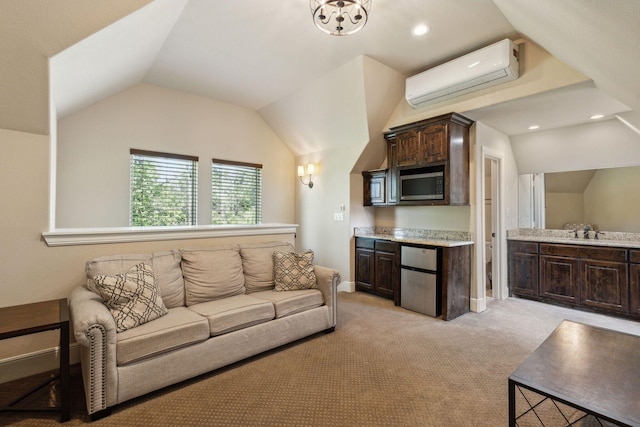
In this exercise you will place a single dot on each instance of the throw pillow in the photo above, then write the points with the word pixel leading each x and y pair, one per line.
pixel 133 298
pixel 294 271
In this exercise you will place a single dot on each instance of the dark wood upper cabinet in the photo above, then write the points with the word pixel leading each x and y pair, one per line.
pixel 439 141
pixel 375 191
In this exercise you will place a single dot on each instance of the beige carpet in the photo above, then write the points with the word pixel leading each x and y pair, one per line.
pixel 383 366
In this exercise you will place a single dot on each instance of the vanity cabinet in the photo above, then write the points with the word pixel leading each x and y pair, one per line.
pixel 591 277
pixel 634 282
pixel 523 268
pixel 378 267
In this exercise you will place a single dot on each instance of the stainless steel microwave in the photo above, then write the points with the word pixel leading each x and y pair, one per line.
pixel 419 184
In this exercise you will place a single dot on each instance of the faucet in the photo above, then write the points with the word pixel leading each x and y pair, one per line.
pixel 575 233
pixel 586 232
pixel 598 233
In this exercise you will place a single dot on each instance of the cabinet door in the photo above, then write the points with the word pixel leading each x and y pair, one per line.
pixel 408 148
pixel 523 273
pixel 377 189
pixel 560 278
pixel 386 272
pixel 634 294
pixel 392 173
pixel 365 271
pixel 436 144
pixel 605 285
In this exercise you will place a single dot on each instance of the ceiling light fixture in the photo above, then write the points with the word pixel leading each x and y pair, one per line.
pixel 340 17
pixel 534 127
pixel 420 30
pixel 596 116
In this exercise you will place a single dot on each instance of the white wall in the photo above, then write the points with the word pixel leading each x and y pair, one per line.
pixel 344 112
pixel 94 143
pixel 604 144
pixel 451 218
pixel 486 141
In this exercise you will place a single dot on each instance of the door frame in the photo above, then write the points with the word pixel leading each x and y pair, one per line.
pixel 499 274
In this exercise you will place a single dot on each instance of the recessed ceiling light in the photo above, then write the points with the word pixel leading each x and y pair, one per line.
pixel 534 127
pixel 596 116
pixel 420 30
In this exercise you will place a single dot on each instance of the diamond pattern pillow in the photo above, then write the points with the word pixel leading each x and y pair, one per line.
pixel 294 271
pixel 133 298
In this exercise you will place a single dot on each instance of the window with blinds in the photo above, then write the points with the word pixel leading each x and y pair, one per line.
pixel 164 189
pixel 236 192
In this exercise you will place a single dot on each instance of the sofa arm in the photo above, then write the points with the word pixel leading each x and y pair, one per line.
pixel 95 330
pixel 328 280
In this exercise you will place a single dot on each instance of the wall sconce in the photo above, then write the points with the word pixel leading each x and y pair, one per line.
pixel 310 170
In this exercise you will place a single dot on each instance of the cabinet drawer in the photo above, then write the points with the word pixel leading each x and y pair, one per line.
pixel 386 246
pixel 605 254
pixel 523 247
pixel 365 243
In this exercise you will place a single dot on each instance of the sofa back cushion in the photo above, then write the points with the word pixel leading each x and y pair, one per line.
pixel 113 264
pixel 212 273
pixel 165 266
pixel 257 264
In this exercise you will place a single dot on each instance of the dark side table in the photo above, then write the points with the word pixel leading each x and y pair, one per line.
pixel 594 370
pixel 39 317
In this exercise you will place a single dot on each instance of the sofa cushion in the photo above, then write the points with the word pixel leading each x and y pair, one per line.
pixel 180 327
pixel 292 302
pixel 112 264
pixel 212 273
pixel 294 271
pixel 166 266
pixel 233 313
pixel 133 298
pixel 257 264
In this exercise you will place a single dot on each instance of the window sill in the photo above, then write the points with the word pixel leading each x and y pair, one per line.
pixel 93 236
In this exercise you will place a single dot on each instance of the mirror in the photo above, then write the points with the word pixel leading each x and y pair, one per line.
pixel 608 199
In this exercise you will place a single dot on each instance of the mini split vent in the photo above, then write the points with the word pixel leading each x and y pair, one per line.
pixel 489 66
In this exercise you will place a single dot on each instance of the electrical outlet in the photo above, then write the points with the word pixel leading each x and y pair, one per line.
pixel 338 216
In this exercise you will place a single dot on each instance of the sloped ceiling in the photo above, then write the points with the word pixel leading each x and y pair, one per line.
pixel 600 38
pixel 253 53
pixel 31 32
pixel 112 59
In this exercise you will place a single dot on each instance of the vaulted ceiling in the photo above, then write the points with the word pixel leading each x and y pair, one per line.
pixel 255 52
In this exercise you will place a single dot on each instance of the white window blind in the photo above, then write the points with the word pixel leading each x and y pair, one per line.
pixel 164 189
pixel 236 192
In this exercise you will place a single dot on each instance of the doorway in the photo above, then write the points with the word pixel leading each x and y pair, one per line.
pixel 491 239
pixel 489 225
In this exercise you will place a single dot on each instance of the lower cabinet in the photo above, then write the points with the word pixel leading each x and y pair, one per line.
pixel 634 283
pixel 595 278
pixel 523 268
pixel 560 278
pixel 378 267
pixel 378 272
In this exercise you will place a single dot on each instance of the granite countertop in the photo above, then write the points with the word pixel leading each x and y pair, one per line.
pixel 428 241
pixel 578 241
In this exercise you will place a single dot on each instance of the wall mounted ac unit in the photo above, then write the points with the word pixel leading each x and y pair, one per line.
pixel 491 65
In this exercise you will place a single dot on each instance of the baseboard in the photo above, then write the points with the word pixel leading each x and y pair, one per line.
pixel 478 305
pixel 347 287
pixel 45 360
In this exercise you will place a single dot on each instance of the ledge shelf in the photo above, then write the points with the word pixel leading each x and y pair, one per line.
pixel 91 236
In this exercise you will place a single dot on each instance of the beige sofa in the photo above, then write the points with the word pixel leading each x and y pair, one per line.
pixel 221 307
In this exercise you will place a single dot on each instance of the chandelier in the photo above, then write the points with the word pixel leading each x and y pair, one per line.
pixel 340 17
